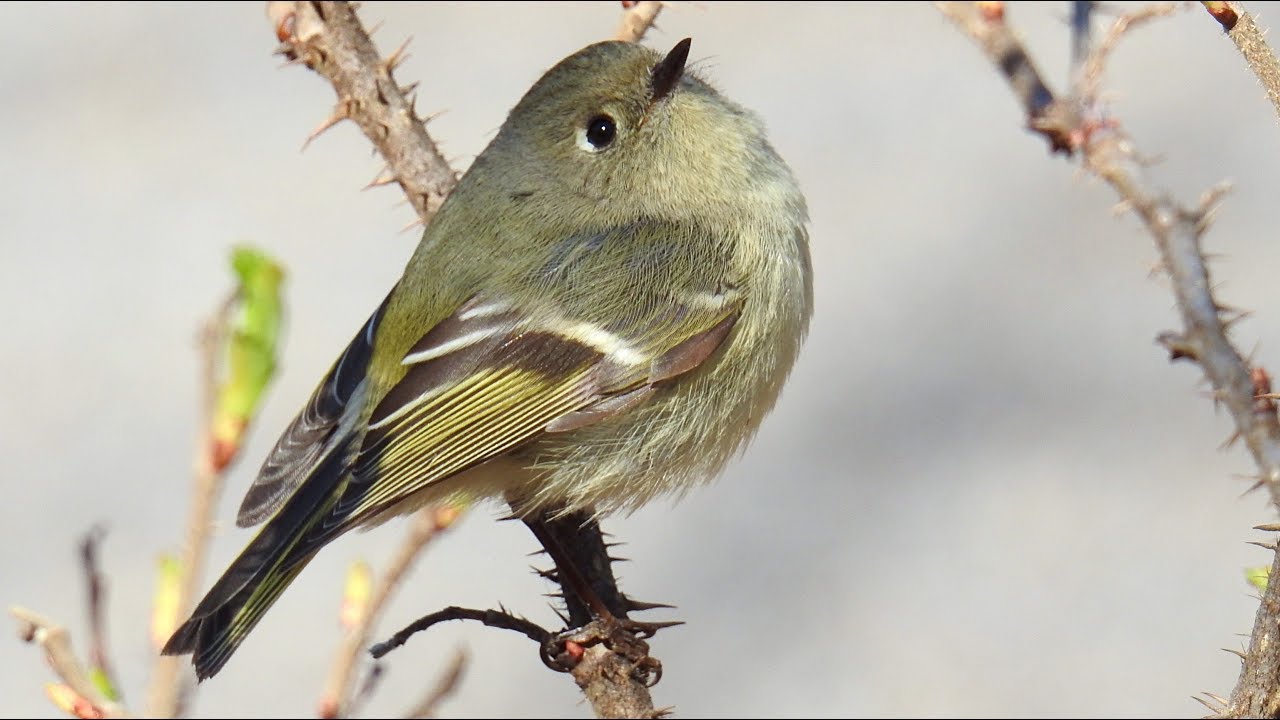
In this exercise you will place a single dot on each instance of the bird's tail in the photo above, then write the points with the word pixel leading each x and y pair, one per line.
pixel 253 582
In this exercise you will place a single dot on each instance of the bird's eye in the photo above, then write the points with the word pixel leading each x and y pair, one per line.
pixel 601 131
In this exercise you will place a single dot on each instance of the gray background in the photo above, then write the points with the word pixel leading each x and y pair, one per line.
pixel 985 491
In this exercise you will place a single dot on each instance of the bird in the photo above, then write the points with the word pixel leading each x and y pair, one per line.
pixel 601 313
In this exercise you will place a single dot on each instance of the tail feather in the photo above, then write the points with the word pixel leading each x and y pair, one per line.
pixel 213 638
pixel 253 582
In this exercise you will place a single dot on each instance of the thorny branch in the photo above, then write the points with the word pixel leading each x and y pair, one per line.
pixel 1079 123
pixel 328 38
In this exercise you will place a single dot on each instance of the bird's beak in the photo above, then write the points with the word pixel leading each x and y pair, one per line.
pixel 667 73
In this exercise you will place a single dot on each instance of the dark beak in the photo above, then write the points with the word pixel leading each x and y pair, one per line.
pixel 666 74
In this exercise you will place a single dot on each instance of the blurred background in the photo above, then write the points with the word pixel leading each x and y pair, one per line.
pixel 985 492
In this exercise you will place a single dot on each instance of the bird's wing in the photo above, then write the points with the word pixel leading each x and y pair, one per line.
pixel 486 380
pixel 618 313
pixel 316 431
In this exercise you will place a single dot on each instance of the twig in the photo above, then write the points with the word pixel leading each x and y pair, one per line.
pixel 1250 40
pixel 166 694
pixel 328 38
pixel 637 18
pixel 446 685
pixel 1109 154
pixel 56 643
pixel 985 23
pixel 424 527
pixel 371 681
pixel 95 585
pixel 500 619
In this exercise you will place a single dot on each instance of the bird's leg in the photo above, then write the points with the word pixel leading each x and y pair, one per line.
pixel 597 609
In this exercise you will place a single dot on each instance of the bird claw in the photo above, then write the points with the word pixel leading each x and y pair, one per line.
pixel 564 650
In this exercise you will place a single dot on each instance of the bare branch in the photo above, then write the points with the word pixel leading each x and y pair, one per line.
pixel 95 585
pixel 328 38
pixel 447 685
pixel 425 526
pixel 985 23
pixel 500 619
pixel 56 643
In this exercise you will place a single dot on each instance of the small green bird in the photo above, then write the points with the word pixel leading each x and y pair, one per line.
pixel 601 313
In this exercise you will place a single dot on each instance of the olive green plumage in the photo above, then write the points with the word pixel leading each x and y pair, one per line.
pixel 601 313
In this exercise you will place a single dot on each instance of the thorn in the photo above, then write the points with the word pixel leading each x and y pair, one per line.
pixel 1205 703
pixel 564 616
pixel 384 177
pixel 1177 345
pixel 1216 698
pixel 341 112
pixel 1234 317
pixel 611 545
pixel 397 56
pixel 655 627
pixel 640 605
pixel 432 116
pixel 618 559
pixel 1237 653
pixel 1268 527
pixel 1263 545
pixel 1231 439
pixel 1209 201
pixel 409 89
pixel 663 712
pixel 416 222
pixel 1225 308
pixel 376 26
pixel 1259 484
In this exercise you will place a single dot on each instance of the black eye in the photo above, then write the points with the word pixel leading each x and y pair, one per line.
pixel 601 131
